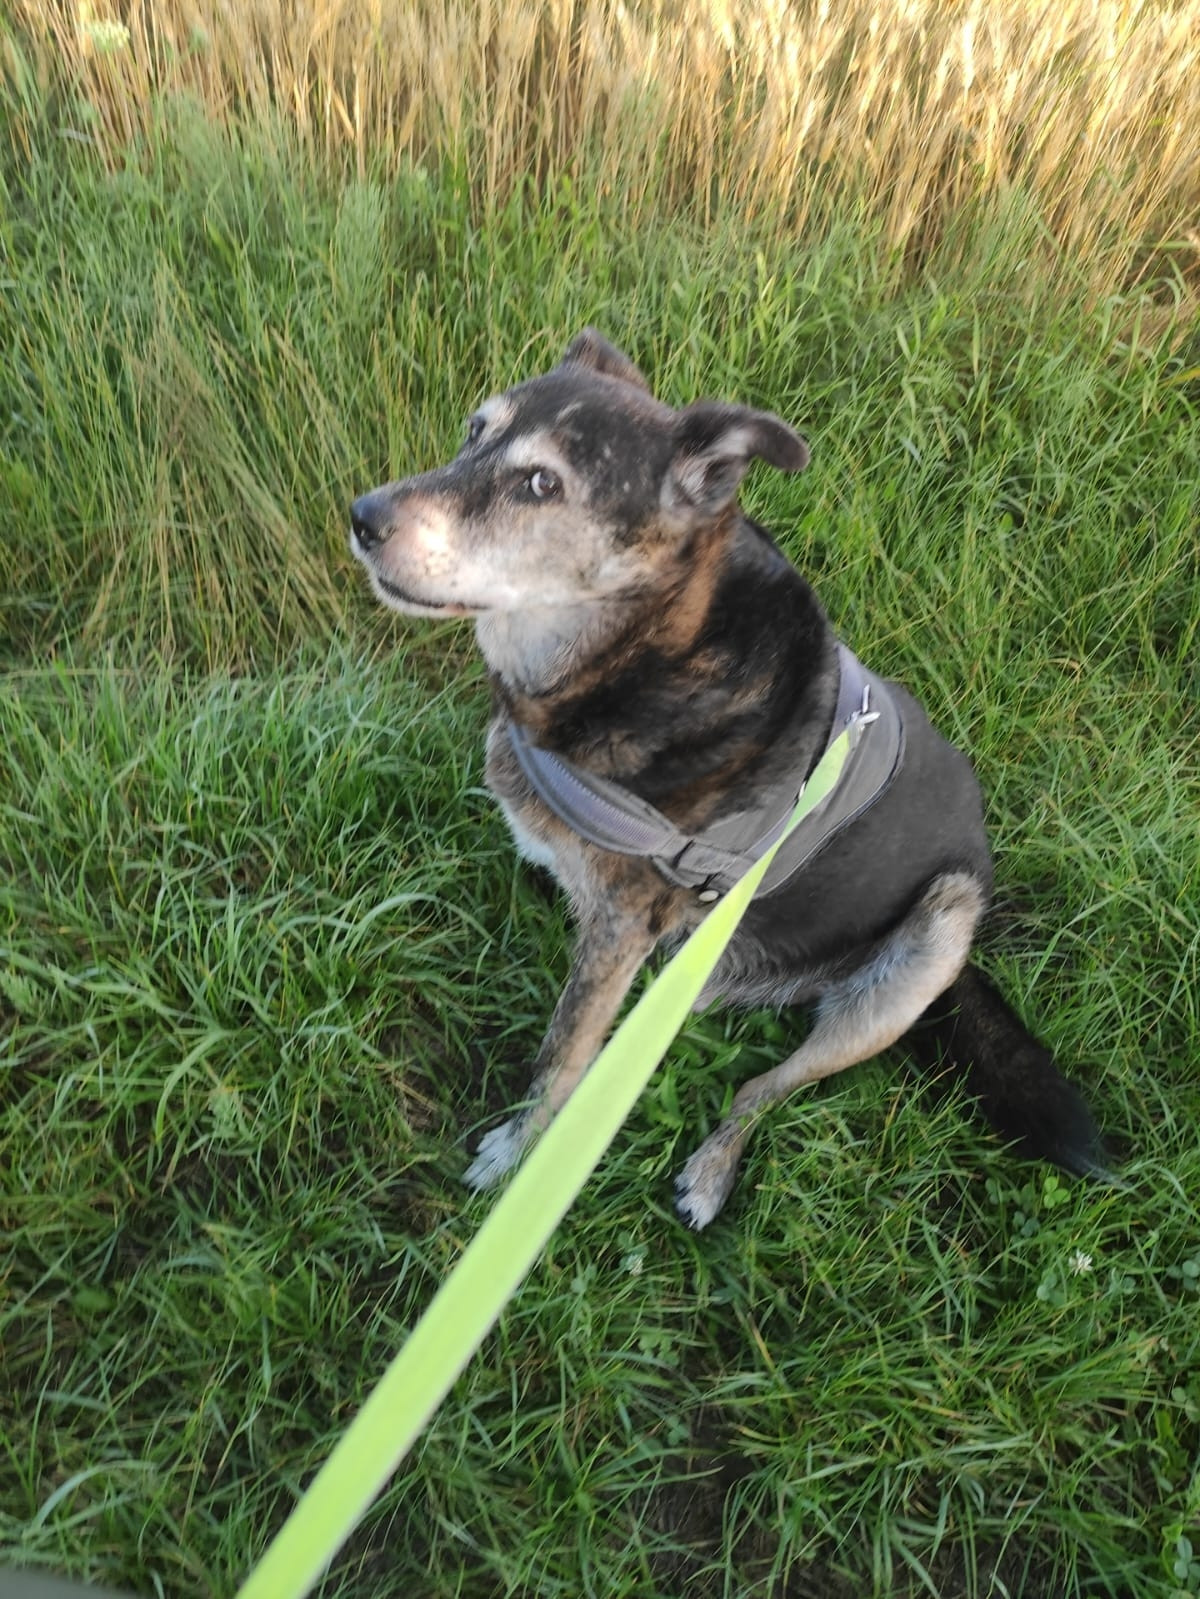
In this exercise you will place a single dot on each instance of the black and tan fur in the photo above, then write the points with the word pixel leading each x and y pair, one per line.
pixel 636 622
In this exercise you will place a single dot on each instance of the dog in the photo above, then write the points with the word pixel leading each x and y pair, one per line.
pixel 663 683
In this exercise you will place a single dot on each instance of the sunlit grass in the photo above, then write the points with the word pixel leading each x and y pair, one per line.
pixel 922 111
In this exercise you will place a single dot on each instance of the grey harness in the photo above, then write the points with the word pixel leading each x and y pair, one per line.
pixel 712 861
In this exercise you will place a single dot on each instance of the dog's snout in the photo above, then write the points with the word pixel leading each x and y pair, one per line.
pixel 368 522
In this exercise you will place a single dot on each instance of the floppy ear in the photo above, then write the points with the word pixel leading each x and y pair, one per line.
pixel 714 445
pixel 590 348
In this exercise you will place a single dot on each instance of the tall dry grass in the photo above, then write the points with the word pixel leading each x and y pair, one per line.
pixel 917 108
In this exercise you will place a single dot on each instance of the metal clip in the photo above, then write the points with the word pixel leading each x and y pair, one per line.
pixel 862 718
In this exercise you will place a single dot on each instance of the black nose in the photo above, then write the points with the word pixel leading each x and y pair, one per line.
pixel 368 522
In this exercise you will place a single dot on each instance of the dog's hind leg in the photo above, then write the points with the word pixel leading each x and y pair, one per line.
pixel 853 1020
pixel 607 959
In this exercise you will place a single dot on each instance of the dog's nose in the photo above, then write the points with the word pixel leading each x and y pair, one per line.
pixel 368 522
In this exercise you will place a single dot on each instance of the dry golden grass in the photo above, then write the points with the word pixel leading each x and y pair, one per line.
pixel 1091 109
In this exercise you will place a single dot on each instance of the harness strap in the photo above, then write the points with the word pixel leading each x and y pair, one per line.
pixel 609 816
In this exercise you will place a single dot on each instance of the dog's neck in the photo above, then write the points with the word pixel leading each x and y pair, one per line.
pixel 672 691
pixel 534 652
pixel 544 651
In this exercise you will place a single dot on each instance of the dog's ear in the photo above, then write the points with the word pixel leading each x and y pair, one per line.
pixel 714 445
pixel 590 348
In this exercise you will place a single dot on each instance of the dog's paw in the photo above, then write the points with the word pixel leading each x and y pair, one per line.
pixel 498 1152
pixel 706 1182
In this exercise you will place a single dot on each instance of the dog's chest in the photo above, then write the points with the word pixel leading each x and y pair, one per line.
pixel 529 844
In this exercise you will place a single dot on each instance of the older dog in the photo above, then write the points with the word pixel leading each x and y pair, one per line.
pixel 663 683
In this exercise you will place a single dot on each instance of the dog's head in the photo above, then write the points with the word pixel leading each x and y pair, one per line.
pixel 574 487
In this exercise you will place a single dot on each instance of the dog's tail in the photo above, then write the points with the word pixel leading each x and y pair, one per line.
pixel 1020 1091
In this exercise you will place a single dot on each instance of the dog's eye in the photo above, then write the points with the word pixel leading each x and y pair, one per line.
pixel 474 428
pixel 543 484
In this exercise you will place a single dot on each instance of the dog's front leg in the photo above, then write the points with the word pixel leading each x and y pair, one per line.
pixel 607 959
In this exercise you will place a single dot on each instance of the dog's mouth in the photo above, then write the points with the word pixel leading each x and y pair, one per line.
pixel 393 593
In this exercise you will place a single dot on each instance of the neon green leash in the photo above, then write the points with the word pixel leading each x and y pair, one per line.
pixel 506 1246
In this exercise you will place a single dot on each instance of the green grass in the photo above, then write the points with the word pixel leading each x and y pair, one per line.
pixel 266 958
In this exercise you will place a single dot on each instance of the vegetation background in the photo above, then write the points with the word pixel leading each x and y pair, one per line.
pixel 266 960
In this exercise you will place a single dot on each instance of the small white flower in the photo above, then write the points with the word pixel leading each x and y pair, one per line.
pixel 1080 1263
